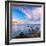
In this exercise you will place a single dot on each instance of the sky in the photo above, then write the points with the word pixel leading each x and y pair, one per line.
pixel 26 14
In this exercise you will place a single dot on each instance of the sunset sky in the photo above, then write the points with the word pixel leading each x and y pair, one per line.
pixel 26 14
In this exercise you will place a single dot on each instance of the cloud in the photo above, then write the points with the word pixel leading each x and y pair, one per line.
pixel 37 13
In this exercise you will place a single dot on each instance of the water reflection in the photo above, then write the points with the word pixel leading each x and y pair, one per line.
pixel 24 30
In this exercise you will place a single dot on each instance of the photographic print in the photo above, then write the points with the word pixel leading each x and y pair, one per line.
pixel 26 22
